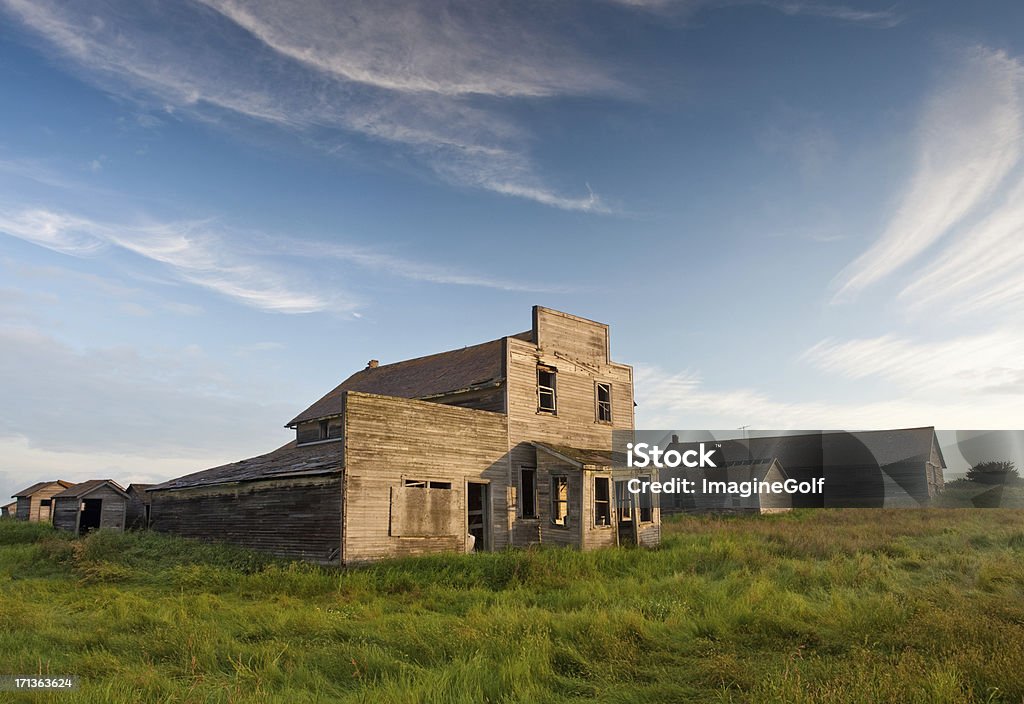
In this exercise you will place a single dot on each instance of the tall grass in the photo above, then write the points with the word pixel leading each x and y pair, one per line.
pixel 813 606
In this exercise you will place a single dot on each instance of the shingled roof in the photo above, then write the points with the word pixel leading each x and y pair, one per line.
pixel 468 368
pixel 40 485
pixel 87 487
pixel 583 458
pixel 286 461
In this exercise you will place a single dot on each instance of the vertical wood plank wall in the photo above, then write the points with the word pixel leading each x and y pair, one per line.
pixel 388 439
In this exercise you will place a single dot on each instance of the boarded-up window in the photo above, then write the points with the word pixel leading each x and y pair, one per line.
pixel 547 401
pixel 602 501
pixel 422 511
pixel 560 500
pixel 603 393
pixel 528 492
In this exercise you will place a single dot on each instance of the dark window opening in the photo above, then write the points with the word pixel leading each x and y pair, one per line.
pixel 426 484
pixel 528 491
pixel 646 507
pixel 546 396
pixel 324 429
pixel 560 500
pixel 89 519
pixel 624 502
pixel 602 501
pixel 45 502
pixel 604 403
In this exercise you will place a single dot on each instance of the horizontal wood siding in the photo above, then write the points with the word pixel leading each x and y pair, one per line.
pixel 65 513
pixel 389 439
pixel 30 508
pixel 597 536
pixel 136 516
pixel 296 518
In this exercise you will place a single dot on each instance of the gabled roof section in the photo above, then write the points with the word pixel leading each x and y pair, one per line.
pixel 40 485
pixel 79 490
pixel 287 461
pixel 478 366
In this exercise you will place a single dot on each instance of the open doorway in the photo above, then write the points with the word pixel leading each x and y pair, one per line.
pixel 89 519
pixel 477 512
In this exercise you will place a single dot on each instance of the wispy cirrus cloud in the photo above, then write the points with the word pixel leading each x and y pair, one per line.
pixel 399 73
pixel 251 268
pixel 964 366
pixel 970 139
pixel 884 17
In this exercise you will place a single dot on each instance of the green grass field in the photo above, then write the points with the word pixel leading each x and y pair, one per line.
pixel 814 606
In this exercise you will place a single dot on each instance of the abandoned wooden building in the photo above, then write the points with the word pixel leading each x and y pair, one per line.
pixel 9 510
pixel 36 502
pixel 880 468
pixel 505 443
pixel 91 505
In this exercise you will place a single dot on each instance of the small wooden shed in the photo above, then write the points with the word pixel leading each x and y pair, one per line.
pixel 9 510
pixel 97 503
pixel 139 506
pixel 36 502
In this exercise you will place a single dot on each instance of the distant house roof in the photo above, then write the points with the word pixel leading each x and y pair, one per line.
pixel 135 486
pixel 79 490
pixel 833 449
pixel 286 461
pixel 468 368
pixel 735 471
pixel 582 458
pixel 40 485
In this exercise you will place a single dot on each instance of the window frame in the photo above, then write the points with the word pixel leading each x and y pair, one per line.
pixel 641 509
pixel 551 389
pixel 412 483
pixel 557 479
pixel 606 502
pixel 531 494
pixel 600 405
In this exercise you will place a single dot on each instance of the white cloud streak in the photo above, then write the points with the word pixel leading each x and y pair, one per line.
pixel 971 138
pixel 405 75
pixel 250 268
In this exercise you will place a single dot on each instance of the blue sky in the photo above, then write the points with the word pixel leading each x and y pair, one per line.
pixel 791 213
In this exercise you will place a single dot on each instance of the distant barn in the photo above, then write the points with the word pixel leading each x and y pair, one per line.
pixel 91 505
pixel 867 469
pixel 36 502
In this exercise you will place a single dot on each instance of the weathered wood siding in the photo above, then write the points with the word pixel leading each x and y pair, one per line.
pixel 298 517
pixel 136 515
pixel 30 508
pixel 578 350
pixel 65 513
pixel 388 440
pixel 112 510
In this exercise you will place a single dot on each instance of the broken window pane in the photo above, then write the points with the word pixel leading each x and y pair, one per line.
pixel 546 400
pixel 559 500
pixel 602 501
pixel 604 403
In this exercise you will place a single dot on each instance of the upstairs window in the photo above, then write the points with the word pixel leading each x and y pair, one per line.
pixel 603 395
pixel 602 501
pixel 560 500
pixel 546 397
pixel 324 429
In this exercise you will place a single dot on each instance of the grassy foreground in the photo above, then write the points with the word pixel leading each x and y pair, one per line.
pixel 815 606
